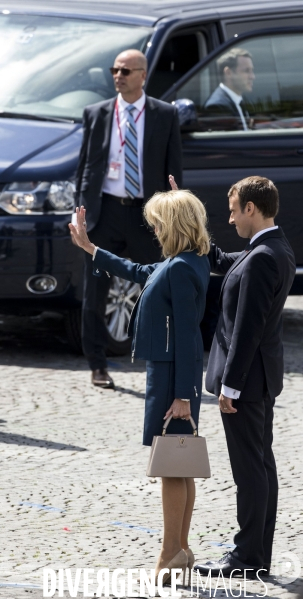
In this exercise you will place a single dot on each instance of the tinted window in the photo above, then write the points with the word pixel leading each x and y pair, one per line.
pixel 179 55
pixel 238 27
pixel 258 84
pixel 52 66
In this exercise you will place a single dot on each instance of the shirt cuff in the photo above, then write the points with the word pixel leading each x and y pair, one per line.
pixel 229 392
pixel 95 251
pixel 184 399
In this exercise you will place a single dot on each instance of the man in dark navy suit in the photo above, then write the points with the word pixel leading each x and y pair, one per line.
pixel 130 145
pixel 245 367
pixel 237 77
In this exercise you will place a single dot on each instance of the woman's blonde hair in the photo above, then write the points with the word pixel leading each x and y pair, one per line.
pixel 181 219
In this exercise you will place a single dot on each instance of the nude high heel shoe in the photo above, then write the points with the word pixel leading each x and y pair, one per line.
pixel 190 563
pixel 179 561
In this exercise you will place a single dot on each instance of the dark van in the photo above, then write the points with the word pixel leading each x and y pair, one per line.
pixel 54 60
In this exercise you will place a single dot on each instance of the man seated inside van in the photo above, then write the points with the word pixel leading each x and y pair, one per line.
pixel 237 76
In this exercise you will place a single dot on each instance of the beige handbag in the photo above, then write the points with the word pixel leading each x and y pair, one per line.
pixel 179 455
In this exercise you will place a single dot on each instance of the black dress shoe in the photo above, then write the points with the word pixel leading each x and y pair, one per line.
pixel 227 564
pixel 101 378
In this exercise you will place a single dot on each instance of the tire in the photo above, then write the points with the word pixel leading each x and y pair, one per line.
pixel 72 321
pixel 121 299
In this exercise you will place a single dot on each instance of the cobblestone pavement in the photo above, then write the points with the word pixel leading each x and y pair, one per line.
pixel 73 488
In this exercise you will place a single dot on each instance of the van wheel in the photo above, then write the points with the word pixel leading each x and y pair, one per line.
pixel 121 299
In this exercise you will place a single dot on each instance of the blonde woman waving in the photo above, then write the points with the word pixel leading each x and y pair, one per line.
pixel 165 327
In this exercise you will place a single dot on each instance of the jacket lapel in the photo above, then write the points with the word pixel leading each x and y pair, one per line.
pixel 149 282
pixel 242 257
pixel 107 113
pixel 232 105
pixel 273 233
pixel 151 111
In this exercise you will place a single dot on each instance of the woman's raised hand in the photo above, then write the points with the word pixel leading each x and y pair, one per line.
pixel 78 232
pixel 172 182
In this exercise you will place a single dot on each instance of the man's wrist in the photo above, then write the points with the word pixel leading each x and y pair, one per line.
pixel 229 392
pixel 95 251
pixel 89 248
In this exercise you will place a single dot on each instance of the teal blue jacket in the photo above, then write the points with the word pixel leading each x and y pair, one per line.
pixel 165 322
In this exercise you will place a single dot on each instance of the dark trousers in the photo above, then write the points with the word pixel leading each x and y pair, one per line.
pixel 249 435
pixel 120 230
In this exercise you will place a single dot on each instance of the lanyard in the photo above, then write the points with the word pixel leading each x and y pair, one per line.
pixel 118 121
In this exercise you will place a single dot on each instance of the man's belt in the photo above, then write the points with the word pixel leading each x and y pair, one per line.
pixel 124 201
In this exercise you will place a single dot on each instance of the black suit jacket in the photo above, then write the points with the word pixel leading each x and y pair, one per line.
pixel 247 350
pixel 221 104
pixel 162 152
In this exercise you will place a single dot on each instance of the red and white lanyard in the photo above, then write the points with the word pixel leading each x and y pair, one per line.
pixel 118 122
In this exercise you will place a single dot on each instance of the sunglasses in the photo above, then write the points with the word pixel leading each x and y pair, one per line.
pixel 125 72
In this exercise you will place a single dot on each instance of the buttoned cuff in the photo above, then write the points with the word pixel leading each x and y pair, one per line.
pixel 229 392
pixel 184 399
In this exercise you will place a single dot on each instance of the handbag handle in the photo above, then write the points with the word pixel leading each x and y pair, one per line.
pixel 192 422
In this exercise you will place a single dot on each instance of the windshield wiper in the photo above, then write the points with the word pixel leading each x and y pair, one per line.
pixel 22 115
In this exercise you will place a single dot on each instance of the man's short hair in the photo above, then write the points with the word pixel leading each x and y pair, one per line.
pixel 230 59
pixel 260 191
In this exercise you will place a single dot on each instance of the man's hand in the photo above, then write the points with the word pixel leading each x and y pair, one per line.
pixel 179 409
pixel 78 233
pixel 226 405
pixel 172 182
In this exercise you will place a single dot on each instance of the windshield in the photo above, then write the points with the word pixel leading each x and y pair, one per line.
pixel 54 66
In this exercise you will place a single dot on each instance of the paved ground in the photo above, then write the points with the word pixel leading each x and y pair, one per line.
pixel 73 488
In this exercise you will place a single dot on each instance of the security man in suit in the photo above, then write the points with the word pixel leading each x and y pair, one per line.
pixel 245 367
pixel 131 143
pixel 237 77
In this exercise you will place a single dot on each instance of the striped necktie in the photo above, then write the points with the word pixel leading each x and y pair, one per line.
pixel 132 182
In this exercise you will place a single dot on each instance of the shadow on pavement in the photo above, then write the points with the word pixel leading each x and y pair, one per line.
pixel 12 439
pixel 131 392
pixel 41 342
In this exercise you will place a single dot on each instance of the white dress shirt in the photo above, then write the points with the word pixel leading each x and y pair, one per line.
pixel 116 187
pixel 236 100
pixel 261 233
pixel 228 391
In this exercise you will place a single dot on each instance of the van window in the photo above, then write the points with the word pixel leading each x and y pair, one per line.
pixel 237 27
pixel 180 53
pixel 256 84
pixel 55 66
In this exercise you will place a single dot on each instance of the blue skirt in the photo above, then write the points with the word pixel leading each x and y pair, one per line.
pixel 160 394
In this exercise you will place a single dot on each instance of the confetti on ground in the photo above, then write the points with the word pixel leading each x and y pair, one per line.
pixel 134 526
pixel 39 506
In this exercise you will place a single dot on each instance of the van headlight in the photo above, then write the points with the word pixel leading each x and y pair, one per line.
pixel 32 197
pixel 61 195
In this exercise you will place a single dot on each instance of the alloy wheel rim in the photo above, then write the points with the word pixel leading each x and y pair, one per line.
pixel 121 299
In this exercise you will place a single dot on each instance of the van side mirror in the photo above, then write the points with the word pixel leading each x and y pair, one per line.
pixel 187 113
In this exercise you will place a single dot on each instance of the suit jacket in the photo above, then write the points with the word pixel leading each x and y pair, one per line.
pixel 220 103
pixel 165 322
pixel 247 350
pixel 162 152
